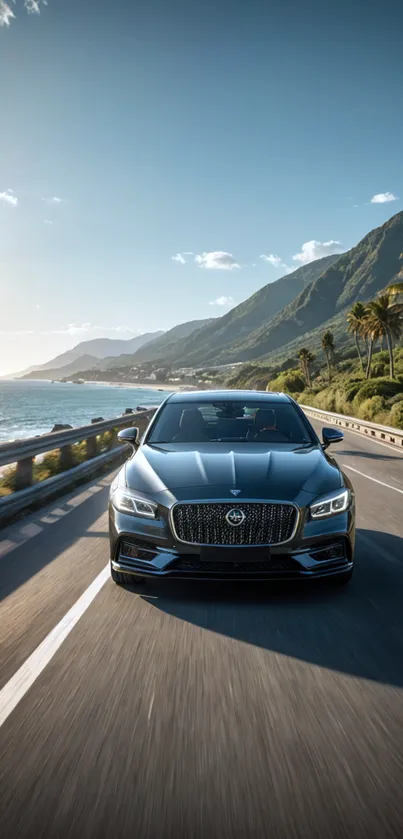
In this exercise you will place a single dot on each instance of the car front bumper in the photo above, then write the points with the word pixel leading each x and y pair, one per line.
pixel 321 548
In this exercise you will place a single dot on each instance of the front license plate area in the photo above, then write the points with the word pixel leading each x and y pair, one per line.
pixel 216 553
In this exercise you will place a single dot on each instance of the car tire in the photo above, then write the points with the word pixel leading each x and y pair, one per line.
pixel 343 579
pixel 122 579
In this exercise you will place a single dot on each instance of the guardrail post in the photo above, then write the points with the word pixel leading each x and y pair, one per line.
pixel 92 447
pixel 66 460
pixel 114 438
pixel 23 477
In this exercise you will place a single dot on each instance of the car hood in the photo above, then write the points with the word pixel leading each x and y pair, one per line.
pixel 213 470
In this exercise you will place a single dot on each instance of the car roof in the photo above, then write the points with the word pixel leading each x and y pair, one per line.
pixel 190 396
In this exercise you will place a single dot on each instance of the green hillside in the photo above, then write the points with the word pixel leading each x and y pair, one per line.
pixel 358 274
pixel 274 320
pixel 164 345
pixel 213 343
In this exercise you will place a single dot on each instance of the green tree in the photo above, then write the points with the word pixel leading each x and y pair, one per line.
pixel 305 359
pixel 384 319
pixel 355 321
pixel 328 348
pixel 397 286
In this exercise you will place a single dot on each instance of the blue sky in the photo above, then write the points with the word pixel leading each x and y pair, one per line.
pixel 219 132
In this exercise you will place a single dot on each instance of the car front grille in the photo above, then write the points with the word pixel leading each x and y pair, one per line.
pixel 270 566
pixel 206 523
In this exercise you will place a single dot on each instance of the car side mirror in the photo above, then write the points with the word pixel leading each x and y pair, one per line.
pixel 129 435
pixel 330 436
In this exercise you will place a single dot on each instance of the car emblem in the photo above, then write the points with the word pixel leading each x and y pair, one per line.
pixel 235 517
pixel 235 491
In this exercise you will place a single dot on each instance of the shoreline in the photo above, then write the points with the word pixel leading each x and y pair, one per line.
pixel 133 385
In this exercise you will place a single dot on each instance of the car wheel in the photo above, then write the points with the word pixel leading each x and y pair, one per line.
pixel 343 579
pixel 126 579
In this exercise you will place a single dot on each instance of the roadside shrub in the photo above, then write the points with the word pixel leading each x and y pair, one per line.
pixel 352 387
pixel 380 364
pixel 46 467
pixel 290 381
pixel 396 415
pixel 7 480
pixel 378 387
pixel 373 410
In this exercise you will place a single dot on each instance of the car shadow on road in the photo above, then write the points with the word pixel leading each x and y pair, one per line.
pixel 369 455
pixel 58 528
pixel 356 630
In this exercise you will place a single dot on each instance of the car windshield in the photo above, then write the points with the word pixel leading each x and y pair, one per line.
pixel 231 421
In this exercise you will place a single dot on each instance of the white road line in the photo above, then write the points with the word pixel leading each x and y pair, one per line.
pixel 19 535
pixel 370 478
pixel 24 678
pixel 151 707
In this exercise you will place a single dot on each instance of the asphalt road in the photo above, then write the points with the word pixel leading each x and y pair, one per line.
pixel 205 710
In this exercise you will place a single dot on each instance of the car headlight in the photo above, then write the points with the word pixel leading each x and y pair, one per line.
pixel 331 505
pixel 125 502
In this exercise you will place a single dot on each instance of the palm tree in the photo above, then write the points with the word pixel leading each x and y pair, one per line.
pixel 395 288
pixel 383 319
pixel 328 348
pixel 355 320
pixel 305 359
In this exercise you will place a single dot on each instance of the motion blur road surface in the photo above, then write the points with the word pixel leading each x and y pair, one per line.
pixel 205 710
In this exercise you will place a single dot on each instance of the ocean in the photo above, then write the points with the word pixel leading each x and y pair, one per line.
pixel 30 407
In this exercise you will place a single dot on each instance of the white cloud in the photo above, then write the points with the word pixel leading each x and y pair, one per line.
pixel 53 200
pixel 217 260
pixel 222 301
pixel 315 250
pixel 6 15
pixel 9 197
pixel 383 198
pixel 180 257
pixel 275 261
pixel 47 221
pixel 33 7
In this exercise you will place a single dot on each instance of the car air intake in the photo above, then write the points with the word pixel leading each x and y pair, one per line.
pixel 234 524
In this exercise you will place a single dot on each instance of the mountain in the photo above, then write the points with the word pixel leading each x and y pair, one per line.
pixel 158 346
pixel 212 344
pixel 358 274
pixel 165 345
pixel 84 362
pixel 277 319
pixel 98 348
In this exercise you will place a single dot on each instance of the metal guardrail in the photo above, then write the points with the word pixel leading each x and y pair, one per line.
pixel 23 452
pixel 393 436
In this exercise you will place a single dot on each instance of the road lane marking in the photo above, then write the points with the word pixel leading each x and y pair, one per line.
pixel 370 478
pixel 12 693
pixel 15 536
pixel 151 707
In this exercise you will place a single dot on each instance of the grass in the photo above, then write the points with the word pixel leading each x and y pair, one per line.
pixel 50 465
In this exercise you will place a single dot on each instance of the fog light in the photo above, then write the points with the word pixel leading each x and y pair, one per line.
pixel 327 554
pixel 132 551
